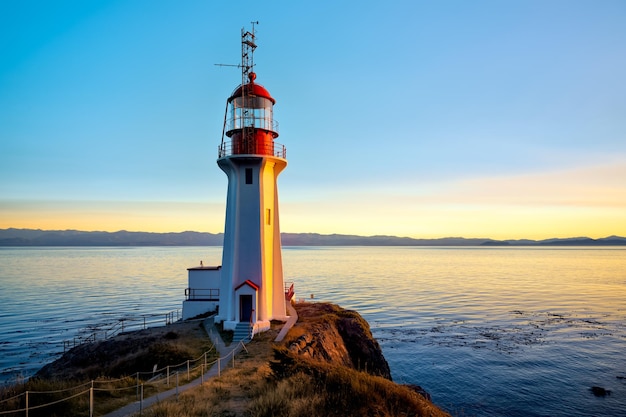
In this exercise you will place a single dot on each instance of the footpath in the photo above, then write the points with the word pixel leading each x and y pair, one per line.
pixel 225 354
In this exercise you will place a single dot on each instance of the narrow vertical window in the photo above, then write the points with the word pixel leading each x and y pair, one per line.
pixel 268 213
pixel 248 175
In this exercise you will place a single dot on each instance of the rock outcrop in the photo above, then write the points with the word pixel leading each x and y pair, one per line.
pixel 328 365
pixel 329 333
pixel 332 351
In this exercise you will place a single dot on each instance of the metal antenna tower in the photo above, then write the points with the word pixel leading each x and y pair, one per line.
pixel 248 46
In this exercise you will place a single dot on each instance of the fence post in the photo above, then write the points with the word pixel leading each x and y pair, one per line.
pixel 218 366
pixel 137 390
pixel 176 385
pixel 168 375
pixel 187 370
pixel 141 401
pixel 202 374
pixel 91 400
pixel 26 403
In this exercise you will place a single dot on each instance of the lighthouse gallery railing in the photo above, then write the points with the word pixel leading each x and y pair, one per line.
pixel 274 149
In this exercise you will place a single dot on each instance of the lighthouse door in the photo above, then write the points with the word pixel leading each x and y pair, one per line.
pixel 245 307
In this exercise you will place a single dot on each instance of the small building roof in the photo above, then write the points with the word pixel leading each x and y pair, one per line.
pixel 249 283
pixel 196 268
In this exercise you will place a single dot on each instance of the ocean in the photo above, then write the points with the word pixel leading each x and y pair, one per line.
pixel 487 331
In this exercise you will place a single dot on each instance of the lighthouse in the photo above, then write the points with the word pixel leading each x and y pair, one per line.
pixel 251 286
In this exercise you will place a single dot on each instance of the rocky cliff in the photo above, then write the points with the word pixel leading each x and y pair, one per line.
pixel 329 365
pixel 329 333
pixel 335 349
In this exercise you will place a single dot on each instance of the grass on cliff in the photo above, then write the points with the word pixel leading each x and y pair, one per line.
pixel 269 380
pixel 252 390
pixel 113 364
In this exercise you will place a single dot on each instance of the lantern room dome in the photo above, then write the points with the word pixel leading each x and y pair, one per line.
pixel 251 89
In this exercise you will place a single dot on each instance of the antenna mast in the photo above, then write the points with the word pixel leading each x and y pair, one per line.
pixel 248 46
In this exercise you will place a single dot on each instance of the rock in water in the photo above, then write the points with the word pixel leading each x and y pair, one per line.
pixel 600 392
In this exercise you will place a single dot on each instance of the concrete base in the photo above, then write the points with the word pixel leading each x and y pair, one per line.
pixel 228 325
pixel 293 318
pixel 260 326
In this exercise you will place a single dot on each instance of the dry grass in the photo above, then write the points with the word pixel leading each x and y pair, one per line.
pixel 113 364
pixel 270 381
pixel 343 391
pixel 252 390
pixel 129 353
pixel 231 392
pixel 267 380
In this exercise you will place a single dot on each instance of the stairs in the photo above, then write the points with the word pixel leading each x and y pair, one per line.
pixel 242 332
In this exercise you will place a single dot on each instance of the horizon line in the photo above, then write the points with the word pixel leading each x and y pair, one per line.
pixel 325 234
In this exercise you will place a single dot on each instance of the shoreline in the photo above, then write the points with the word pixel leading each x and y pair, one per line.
pixel 320 350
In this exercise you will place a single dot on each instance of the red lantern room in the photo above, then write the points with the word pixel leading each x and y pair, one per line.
pixel 249 120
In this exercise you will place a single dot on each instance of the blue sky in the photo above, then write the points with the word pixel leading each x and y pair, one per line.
pixel 501 119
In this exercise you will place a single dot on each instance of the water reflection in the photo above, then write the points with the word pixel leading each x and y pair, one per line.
pixel 487 331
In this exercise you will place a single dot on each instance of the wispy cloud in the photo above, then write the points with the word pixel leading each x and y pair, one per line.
pixel 587 186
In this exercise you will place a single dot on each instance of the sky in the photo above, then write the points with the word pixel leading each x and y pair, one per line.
pixel 427 119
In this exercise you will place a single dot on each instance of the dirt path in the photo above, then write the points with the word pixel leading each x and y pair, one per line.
pixel 226 355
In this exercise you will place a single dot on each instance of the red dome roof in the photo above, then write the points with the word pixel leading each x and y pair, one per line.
pixel 252 89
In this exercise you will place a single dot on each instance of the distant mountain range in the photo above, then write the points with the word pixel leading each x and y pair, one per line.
pixel 32 237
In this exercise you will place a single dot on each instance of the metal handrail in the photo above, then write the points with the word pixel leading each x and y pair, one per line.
pixel 289 291
pixel 202 294
pixel 251 325
pixel 273 149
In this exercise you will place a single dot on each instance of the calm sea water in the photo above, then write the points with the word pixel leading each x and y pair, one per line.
pixel 487 331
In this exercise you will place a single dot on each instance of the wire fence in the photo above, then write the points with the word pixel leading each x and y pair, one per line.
pixel 124 325
pixel 154 381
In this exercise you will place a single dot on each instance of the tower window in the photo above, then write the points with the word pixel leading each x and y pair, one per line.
pixel 248 175
pixel 268 219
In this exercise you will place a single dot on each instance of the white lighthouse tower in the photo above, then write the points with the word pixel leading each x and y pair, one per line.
pixel 251 287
